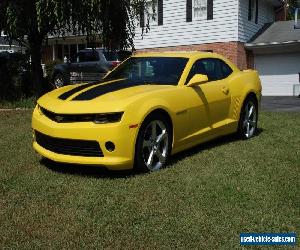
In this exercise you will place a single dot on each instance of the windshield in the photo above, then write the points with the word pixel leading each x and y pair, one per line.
pixel 156 70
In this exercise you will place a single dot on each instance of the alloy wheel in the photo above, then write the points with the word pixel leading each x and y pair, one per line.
pixel 250 120
pixel 155 145
pixel 58 81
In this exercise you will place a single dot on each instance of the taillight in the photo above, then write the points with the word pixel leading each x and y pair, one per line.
pixel 115 63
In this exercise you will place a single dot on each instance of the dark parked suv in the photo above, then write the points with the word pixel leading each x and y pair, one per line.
pixel 87 65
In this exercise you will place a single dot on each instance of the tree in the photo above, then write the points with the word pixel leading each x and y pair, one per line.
pixel 291 7
pixel 31 21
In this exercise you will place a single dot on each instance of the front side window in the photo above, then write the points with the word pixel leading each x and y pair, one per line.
pixel 150 70
pixel 200 9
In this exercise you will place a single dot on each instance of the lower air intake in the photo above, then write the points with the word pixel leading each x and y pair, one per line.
pixel 69 146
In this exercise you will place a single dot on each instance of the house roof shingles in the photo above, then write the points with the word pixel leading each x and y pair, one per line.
pixel 281 32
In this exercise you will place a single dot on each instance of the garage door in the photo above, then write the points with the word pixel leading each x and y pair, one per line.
pixel 278 73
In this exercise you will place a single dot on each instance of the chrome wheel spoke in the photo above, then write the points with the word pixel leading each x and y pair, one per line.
pixel 162 136
pixel 150 159
pixel 248 129
pixel 250 111
pixel 160 156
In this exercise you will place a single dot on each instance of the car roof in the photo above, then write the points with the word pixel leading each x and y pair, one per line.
pixel 97 49
pixel 185 54
pixel 194 55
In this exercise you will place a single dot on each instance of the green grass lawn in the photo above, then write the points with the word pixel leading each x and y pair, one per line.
pixel 203 200
pixel 24 103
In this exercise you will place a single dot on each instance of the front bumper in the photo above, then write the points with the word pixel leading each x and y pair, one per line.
pixel 119 133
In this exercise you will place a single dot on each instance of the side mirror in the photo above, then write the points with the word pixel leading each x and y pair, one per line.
pixel 197 80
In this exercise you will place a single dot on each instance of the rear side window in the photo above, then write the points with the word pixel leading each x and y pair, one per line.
pixel 214 68
pixel 111 56
pixel 225 69
pixel 91 56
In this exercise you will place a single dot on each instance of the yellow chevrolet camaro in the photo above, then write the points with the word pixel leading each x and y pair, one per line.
pixel 148 108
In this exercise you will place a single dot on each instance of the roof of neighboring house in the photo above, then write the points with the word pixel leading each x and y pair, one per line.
pixel 278 33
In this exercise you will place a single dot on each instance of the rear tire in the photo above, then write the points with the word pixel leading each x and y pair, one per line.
pixel 153 144
pixel 248 119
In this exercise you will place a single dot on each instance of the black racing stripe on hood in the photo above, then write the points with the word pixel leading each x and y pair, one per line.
pixel 104 89
pixel 71 92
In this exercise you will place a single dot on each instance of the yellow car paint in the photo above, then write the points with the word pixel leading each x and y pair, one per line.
pixel 198 113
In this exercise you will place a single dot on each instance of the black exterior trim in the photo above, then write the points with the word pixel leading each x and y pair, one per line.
pixel 256 12
pixel 261 31
pixel 189 10
pixel 160 12
pixel 250 10
pixel 69 146
pixel 210 9
pixel 142 15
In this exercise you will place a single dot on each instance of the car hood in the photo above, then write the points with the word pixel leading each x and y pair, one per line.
pixel 109 96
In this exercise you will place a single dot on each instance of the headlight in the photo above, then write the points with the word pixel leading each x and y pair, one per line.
pixel 108 117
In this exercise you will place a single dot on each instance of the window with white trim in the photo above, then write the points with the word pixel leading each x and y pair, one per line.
pixel 151 12
pixel 200 9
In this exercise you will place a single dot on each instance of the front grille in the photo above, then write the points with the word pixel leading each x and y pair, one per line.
pixel 69 146
pixel 67 118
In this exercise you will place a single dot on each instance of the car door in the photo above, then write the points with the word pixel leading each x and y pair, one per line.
pixel 76 67
pixel 90 66
pixel 212 102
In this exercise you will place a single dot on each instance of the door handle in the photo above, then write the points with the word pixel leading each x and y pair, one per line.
pixel 225 90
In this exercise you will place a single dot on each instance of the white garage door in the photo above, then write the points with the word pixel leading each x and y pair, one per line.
pixel 278 73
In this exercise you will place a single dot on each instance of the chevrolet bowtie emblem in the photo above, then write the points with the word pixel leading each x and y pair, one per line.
pixel 59 118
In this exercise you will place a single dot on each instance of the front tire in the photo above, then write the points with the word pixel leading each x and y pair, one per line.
pixel 58 81
pixel 154 144
pixel 248 119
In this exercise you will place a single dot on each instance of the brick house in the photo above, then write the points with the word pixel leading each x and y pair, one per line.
pixel 207 25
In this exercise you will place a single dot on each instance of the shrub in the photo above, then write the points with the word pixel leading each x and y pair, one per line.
pixel 15 76
pixel 49 67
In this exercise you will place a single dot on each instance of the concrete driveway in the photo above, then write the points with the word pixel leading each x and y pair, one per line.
pixel 281 103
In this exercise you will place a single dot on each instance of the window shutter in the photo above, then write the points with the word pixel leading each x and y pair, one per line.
pixel 210 9
pixel 256 12
pixel 189 10
pixel 160 12
pixel 250 10
pixel 142 16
